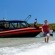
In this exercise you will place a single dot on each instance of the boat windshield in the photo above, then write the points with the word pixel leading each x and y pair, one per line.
pixel 13 25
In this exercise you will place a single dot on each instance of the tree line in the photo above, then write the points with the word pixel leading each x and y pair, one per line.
pixel 52 26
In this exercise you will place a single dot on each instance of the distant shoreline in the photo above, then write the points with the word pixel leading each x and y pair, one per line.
pixel 52 25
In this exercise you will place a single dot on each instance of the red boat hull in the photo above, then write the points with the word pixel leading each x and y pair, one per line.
pixel 23 32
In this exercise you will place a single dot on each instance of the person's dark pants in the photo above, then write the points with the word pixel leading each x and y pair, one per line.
pixel 36 26
pixel 51 34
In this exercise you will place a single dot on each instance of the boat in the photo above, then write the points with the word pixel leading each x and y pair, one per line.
pixel 17 28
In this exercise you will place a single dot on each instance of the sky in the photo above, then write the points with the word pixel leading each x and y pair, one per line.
pixel 20 9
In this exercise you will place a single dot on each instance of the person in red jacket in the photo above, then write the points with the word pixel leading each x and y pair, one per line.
pixel 46 30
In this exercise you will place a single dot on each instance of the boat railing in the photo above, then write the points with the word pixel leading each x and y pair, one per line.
pixel 28 18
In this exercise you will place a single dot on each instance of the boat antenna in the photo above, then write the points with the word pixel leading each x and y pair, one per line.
pixel 28 18
pixel 5 14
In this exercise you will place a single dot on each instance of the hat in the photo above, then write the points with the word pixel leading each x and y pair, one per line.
pixel 45 21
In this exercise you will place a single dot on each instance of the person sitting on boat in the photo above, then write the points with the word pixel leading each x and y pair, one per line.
pixel 51 32
pixel 35 24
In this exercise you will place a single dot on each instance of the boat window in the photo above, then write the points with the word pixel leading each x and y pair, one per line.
pixel 6 25
pixel 23 24
pixel 14 25
pixel 18 25
pixel 3 25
